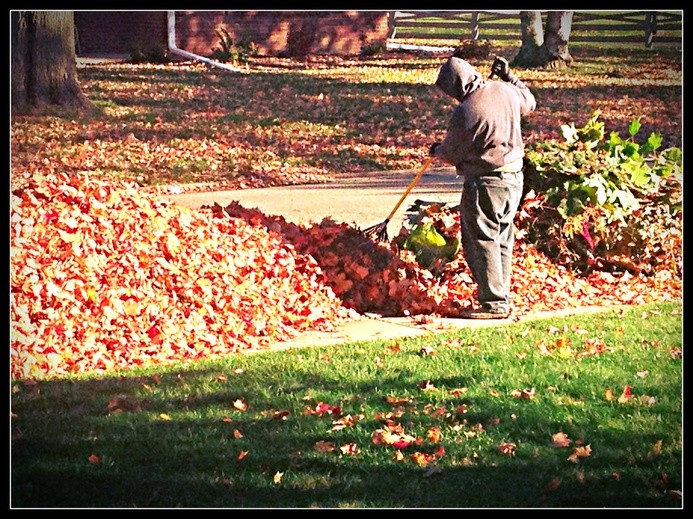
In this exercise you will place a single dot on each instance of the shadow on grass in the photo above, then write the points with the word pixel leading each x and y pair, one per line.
pixel 192 458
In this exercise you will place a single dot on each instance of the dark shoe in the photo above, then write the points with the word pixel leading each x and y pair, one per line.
pixel 486 314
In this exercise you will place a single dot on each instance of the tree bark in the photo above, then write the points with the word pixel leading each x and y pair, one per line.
pixel 43 62
pixel 558 26
pixel 544 47
pixel 532 39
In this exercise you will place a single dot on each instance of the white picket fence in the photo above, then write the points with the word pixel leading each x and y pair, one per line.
pixel 627 27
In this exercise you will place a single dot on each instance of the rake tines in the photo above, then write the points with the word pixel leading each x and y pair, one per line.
pixel 377 232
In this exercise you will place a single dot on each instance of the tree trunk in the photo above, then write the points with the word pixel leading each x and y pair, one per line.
pixel 544 47
pixel 558 26
pixel 43 62
pixel 532 39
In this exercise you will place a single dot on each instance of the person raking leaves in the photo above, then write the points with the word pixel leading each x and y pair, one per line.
pixel 484 143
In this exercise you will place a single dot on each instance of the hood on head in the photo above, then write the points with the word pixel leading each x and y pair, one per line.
pixel 457 78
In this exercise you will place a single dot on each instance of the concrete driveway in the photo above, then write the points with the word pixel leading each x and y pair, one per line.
pixel 358 200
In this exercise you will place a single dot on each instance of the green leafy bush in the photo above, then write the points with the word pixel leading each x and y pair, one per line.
pixel 230 52
pixel 608 203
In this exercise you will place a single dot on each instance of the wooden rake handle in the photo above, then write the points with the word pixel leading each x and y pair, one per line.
pixel 411 186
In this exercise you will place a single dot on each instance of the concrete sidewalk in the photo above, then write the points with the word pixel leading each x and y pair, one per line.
pixel 373 327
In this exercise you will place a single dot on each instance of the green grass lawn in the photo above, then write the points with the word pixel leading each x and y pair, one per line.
pixel 568 412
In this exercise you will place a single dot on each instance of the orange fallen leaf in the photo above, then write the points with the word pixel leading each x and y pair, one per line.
pixel 434 434
pixel 422 459
pixel 580 452
pixel 242 455
pixel 560 439
pixel 324 446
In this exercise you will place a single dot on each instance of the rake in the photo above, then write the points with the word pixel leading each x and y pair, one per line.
pixel 379 232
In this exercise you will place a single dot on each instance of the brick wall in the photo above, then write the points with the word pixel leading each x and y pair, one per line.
pixel 118 32
pixel 292 33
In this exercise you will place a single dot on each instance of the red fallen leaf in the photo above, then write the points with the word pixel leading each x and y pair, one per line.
pixel 154 333
pixel 349 448
pixel 440 412
pixel 507 449
pixel 95 459
pixel 281 415
pixel 626 395
pixel 322 408
pixel 242 455
pixel 237 434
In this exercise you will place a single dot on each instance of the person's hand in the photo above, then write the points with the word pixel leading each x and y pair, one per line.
pixel 500 68
pixel 434 149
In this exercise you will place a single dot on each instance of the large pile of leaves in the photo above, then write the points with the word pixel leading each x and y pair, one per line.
pixel 105 276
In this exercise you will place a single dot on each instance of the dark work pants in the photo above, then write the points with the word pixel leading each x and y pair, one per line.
pixel 488 207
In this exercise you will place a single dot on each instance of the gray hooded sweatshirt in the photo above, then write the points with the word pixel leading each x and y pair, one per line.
pixel 484 131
